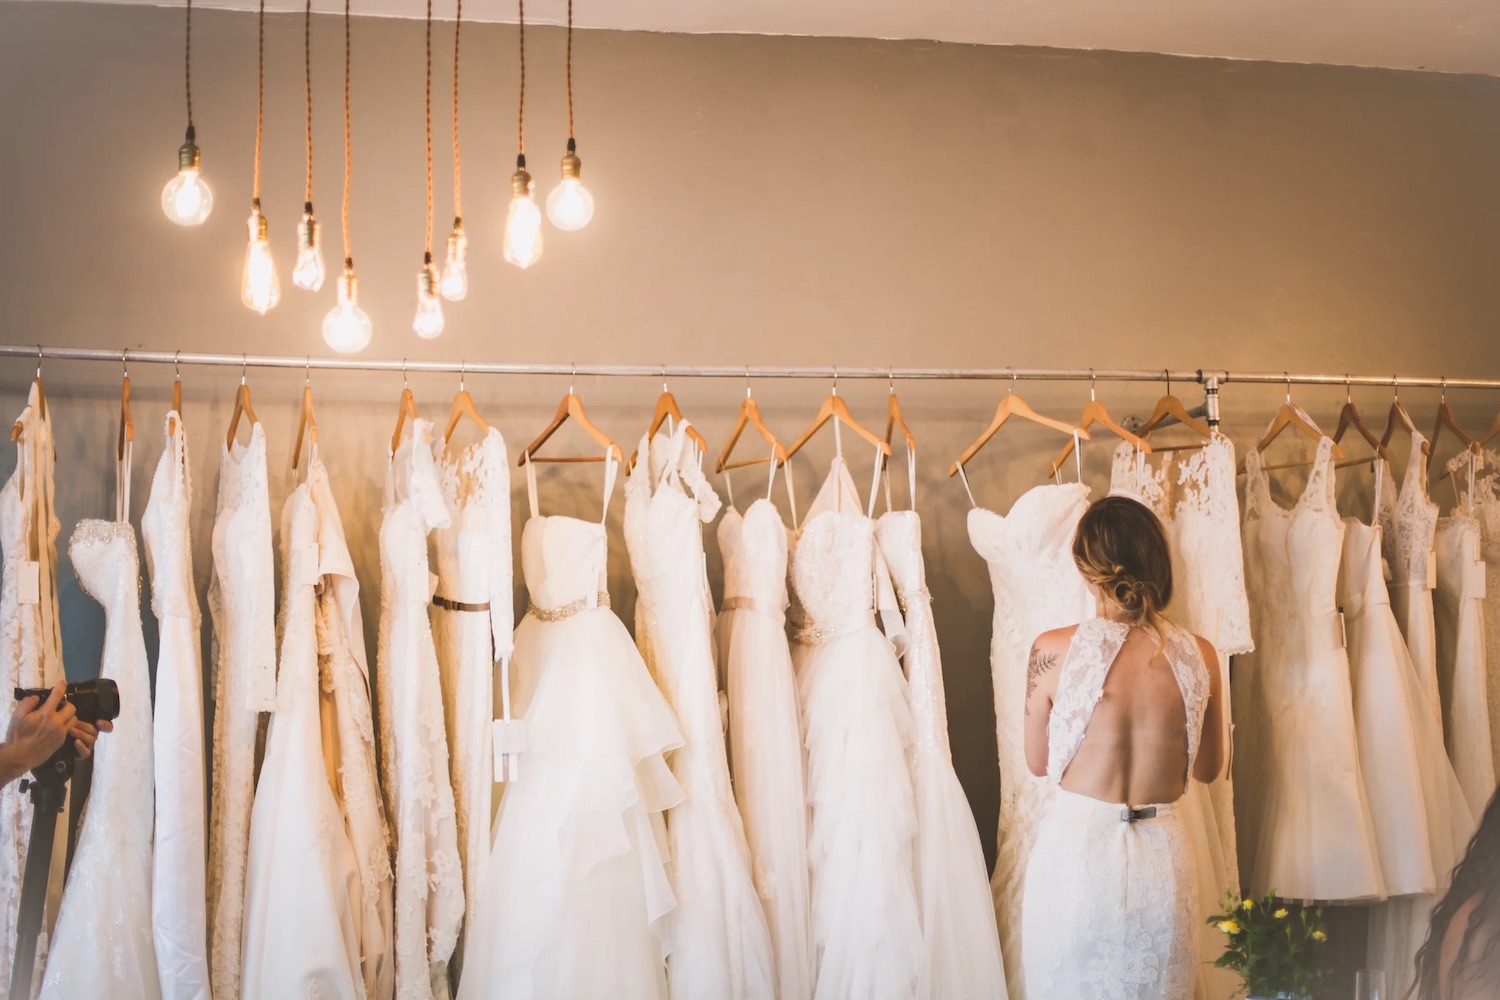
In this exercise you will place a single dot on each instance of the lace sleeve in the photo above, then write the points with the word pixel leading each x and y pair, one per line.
pixel 423 486
pixel 690 469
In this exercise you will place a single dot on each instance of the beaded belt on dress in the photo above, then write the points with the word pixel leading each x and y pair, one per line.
pixel 806 633
pixel 567 610
pixel 447 605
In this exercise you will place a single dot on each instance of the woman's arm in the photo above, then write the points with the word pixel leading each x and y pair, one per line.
pixel 1211 744
pixel 1042 668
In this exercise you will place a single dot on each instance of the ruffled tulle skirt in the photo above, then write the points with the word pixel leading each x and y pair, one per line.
pixel 577 883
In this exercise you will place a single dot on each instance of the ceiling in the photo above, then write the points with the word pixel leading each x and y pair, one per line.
pixel 1454 36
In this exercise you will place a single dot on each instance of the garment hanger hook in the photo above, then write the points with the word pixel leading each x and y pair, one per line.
pixel 835 391
pixel 307 372
pixel 177 366
pixel 244 367
pixel 125 363
pixel 1396 388
pixel 404 383
pixel 461 375
pixel 890 379
pixel 1443 386
pixel 664 379
pixel 572 376
pixel 38 360
pixel 1012 381
pixel 1288 377
pixel 747 381
pixel 1348 390
pixel 1093 383
pixel 1168 373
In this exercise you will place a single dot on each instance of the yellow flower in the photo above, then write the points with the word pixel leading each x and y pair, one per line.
pixel 1248 904
pixel 1319 936
pixel 1229 926
pixel 1280 914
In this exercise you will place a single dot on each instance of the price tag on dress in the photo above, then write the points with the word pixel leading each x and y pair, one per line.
pixel 29 583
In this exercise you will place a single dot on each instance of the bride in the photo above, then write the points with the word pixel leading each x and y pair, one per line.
pixel 1121 712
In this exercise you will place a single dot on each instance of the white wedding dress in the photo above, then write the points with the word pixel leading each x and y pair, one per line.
pixel 242 604
pixel 102 946
pixel 472 622
pixel 960 944
pixel 414 749
pixel 179 885
pixel 1109 911
pixel 1408 521
pixel 857 727
pixel 1306 829
pixel 1484 499
pixel 577 886
pixel 720 945
pixel 1459 612
pixel 765 732
pixel 303 892
pixel 1199 510
pixel 1037 588
pixel 30 654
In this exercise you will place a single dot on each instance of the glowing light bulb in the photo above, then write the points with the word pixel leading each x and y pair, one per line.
pixel 186 199
pixel 260 289
pixel 455 283
pixel 428 323
pixel 346 328
pixel 308 273
pixel 569 205
pixel 523 224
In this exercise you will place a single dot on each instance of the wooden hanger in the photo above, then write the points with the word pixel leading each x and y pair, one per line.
pixel 1492 433
pixel 894 420
pixel 307 424
pixel 1095 413
pixel 406 410
pixel 41 397
pixel 127 426
pixel 1012 405
pixel 1349 417
pixel 1446 419
pixel 463 406
pixel 1291 415
pixel 834 408
pixel 1398 418
pixel 241 407
pixel 666 406
pixel 1170 406
pixel 571 407
pixel 749 416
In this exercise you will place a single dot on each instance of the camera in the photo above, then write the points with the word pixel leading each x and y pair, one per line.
pixel 92 700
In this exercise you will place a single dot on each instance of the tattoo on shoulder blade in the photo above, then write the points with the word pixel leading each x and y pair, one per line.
pixel 1038 665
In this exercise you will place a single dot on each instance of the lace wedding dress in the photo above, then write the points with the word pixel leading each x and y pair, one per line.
pixel 1199 510
pixel 414 749
pixel 303 892
pixel 720 945
pixel 858 728
pixel 1408 520
pixel 102 946
pixel 472 622
pixel 1037 588
pixel 1306 829
pixel 241 603
pixel 1483 497
pixel 960 944
pixel 180 854
pixel 1109 911
pixel 30 653
pixel 765 732
pixel 1459 612
pixel 577 887
pixel 349 739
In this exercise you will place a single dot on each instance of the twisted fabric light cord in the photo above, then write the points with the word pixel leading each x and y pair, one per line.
pixel 307 73
pixel 260 97
pixel 348 165
pixel 428 245
pixel 458 27
pixel 570 69
pixel 521 114
pixel 187 61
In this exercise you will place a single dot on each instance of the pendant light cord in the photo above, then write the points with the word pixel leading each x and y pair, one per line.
pixel 428 110
pixel 570 72
pixel 458 27
pixel 187 68
pixel 344 213
pixel 260 99
pixel 521 112
pixel 307 73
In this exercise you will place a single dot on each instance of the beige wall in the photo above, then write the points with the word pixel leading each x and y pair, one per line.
pixel 761 201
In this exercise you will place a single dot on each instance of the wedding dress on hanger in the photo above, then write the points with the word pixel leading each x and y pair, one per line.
pixel 241 602
pixel 857 727
pixel 102 945
pixel 1199 511
pixel 303 893
pixel 1037 588
pixel 1306 827
pixel 180 856
pixel 1422 823
pixel 1109 909
pixel 472 622
pixel 1408 522
pixel 765 729
pixel 30 653
pixel 429 881
pixel 721 947
pixel 960 944
pixel 1484 497
pixel 1459 613
pixel 577 887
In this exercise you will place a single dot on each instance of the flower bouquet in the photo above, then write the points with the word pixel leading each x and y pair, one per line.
pixel 1274 948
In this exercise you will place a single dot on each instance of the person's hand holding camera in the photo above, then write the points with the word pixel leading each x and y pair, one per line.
pixel 39 728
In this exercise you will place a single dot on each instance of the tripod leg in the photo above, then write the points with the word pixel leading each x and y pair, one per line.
pixel 47 801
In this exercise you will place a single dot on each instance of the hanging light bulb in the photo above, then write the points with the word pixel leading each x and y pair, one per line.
pixel 570 206
pixel 523 223
pixel 308 273
pixel 428 323
pixel 260 289
pixel 346 328
pixel 455 283
pixel 187 199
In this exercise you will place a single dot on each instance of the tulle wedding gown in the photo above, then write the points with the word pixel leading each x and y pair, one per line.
pixel 1408 521
pixel 1484 498
pixel 720 946
pixel 577 886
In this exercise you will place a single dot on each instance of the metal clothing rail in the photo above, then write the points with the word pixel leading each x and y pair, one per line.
pixel 1208 377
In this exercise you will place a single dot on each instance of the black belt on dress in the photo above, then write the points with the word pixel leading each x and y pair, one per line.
pixel 447 605
pixel 1129 815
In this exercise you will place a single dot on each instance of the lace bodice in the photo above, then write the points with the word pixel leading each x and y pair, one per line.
pixel 899 533
pixel 754 547
pixel 1080 685
pixel 413 507
pixel 663 525
pixel 1408 519
pixel 244 572
pixel 473 551
pixel 834 562
pixel 1296 550
pixel 164 528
